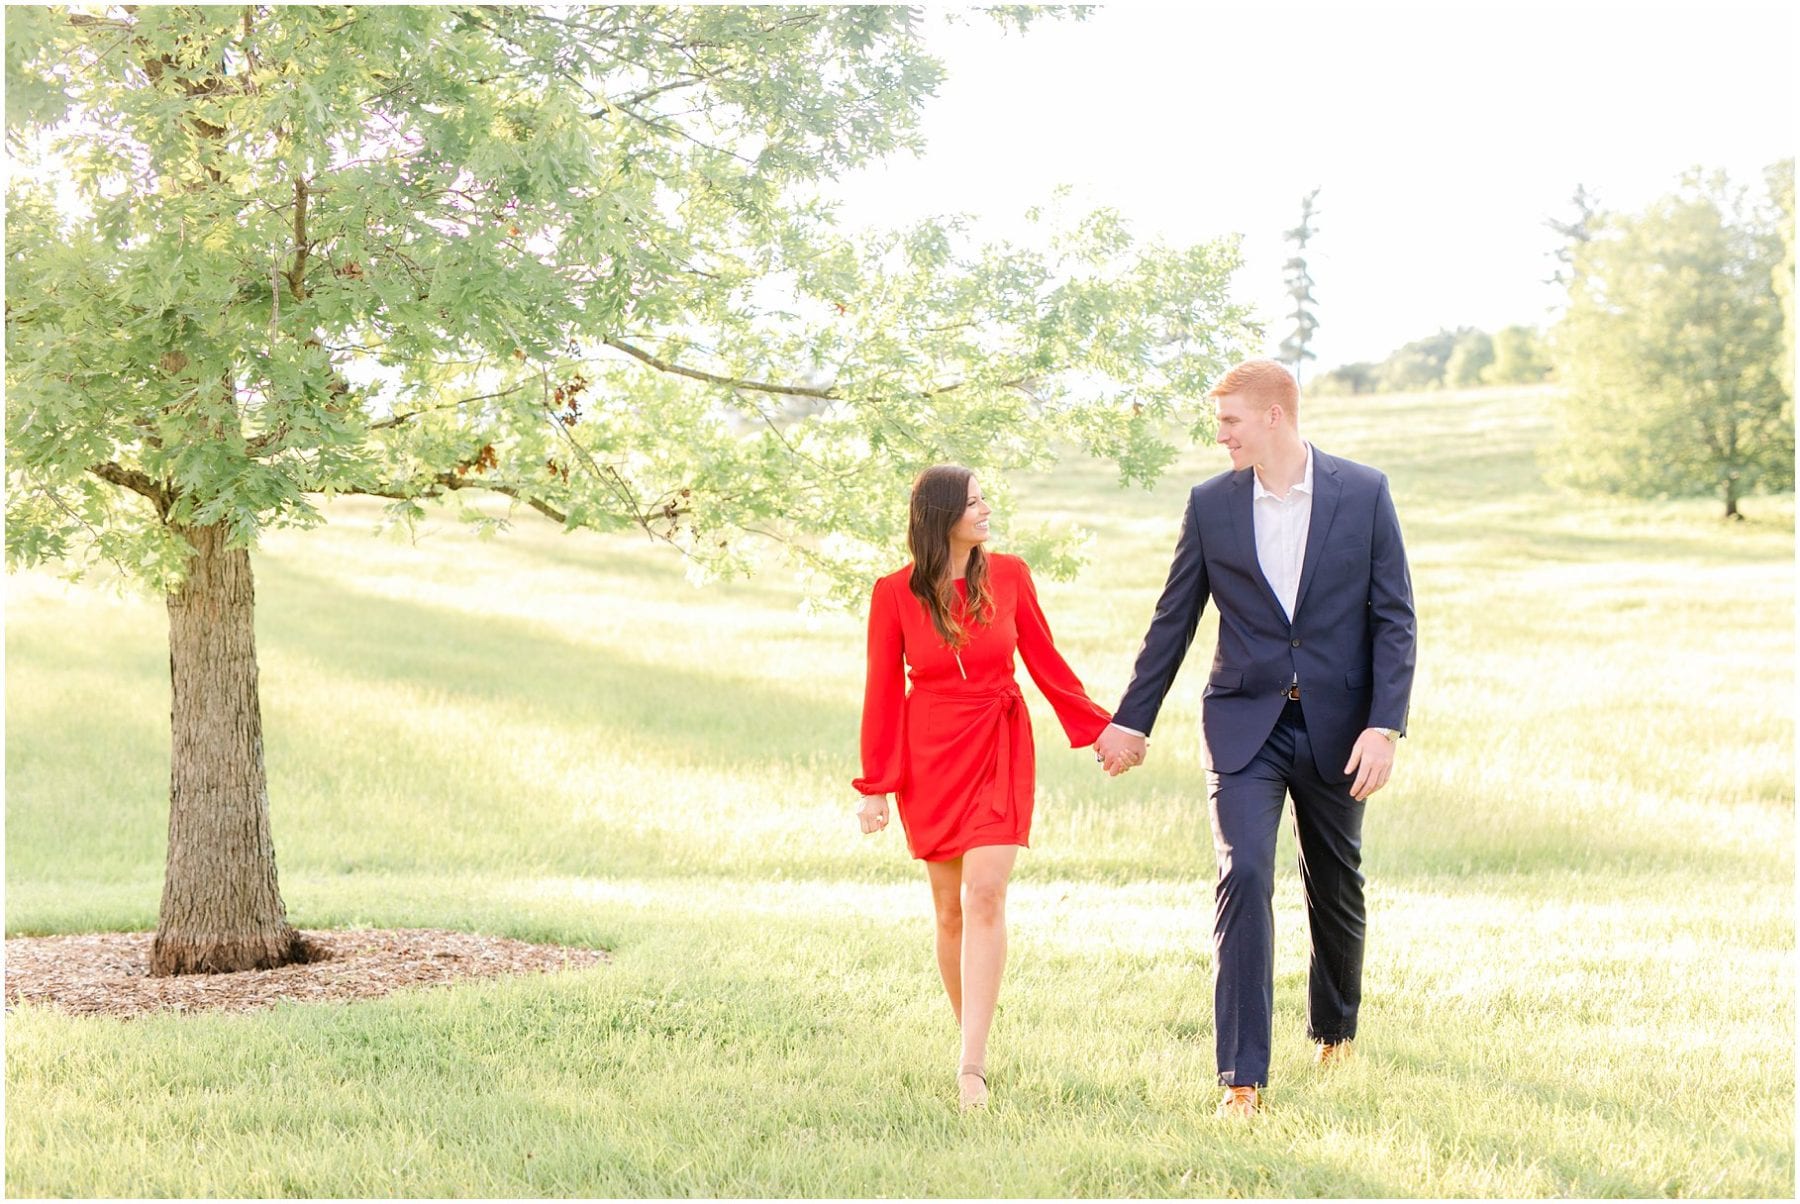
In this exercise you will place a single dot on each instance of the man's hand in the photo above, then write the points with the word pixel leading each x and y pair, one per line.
pixel 1118 750
pixel 873 813
pixel 1371 760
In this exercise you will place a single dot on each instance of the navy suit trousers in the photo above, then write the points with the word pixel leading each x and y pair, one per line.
pixel 1246 816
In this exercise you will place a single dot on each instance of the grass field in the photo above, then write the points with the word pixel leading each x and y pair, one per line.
pixel 1580 975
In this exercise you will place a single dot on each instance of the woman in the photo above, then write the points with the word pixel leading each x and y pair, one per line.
pixel 956 750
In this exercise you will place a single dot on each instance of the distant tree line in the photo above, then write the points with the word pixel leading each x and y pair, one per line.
pixel 1464 358
pixel 1674 345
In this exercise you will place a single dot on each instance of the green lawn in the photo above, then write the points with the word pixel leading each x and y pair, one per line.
pixel 1581 954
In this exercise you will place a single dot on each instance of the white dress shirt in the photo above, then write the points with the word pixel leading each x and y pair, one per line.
pixel 1281 528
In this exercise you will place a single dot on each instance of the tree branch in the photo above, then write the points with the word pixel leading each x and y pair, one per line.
pixel 296 275
pixel 98 542
pixel 79 19
pixel 674 86
pixel 710 378
pixel 450 481
pixel 665 127
pixel 137 482
pixel 606 473
pixel 397 419
pixel 731 382
pixel 794 451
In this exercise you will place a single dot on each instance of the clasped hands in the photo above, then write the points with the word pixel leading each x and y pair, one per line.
pixel 1118 750
pixel 1371 759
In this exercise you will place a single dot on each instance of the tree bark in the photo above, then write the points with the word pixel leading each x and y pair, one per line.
pixel 1731 497
pixel 221 905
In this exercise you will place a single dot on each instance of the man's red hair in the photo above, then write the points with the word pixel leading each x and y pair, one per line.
pixel 1265 382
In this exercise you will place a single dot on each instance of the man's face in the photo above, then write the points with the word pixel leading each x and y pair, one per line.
pixel 1245 428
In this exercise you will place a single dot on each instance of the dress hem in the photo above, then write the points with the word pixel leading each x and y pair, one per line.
pixel 980 844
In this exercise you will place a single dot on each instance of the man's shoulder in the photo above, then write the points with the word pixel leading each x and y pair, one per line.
pixel 1350 472
pixel 1213 486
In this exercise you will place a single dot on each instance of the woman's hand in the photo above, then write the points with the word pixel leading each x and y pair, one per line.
pixel 1118 750
pixel 873 813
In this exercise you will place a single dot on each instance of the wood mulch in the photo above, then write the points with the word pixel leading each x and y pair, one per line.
pixel 107 973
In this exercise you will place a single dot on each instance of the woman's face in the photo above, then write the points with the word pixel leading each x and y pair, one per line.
pixel 972 527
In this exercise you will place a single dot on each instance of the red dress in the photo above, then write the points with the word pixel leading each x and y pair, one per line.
pixel 956 750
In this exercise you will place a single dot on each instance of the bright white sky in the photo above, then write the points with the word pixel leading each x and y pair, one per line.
pixel 1442 136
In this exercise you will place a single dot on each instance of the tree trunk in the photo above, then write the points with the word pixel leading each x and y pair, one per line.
pixel 1731 497
pixel 221 907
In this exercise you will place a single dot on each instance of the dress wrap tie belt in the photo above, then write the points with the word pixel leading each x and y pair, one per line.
pixel 1000 715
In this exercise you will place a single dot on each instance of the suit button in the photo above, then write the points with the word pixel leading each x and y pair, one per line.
pixel 1296 643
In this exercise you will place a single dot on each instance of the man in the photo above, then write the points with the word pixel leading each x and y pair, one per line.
pixel 1310 681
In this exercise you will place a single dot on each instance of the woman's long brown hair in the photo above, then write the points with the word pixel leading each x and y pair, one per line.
pixel 940 497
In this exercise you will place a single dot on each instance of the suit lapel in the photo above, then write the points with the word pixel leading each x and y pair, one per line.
pixel 1327 489
pixel 1243 522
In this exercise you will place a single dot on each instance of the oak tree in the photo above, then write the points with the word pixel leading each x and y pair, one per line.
pixel 578 258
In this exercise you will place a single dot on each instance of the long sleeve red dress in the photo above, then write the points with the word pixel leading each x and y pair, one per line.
pixel 956 749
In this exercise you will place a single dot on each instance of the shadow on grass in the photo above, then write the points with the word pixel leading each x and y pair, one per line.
pixel 685 711
pixel 601 559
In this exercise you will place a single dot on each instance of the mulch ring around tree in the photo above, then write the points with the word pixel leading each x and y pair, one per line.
pixel 107 973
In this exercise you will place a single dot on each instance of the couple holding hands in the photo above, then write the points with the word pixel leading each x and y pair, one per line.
pixel 1301 554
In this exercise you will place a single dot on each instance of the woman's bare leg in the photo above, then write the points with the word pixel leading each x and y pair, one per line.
pixel 946 899
pixel 985 872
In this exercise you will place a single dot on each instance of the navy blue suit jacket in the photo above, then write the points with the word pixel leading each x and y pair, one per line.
pixel 1351 643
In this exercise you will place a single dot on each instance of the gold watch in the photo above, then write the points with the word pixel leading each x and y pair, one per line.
pixel 1393 737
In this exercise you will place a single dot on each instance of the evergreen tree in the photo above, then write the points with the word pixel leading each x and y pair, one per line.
pixel 1295 348
pixel 1574 232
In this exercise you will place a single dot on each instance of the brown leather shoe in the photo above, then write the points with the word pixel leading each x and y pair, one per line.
pixel 1327 1053
pixel 1240 1101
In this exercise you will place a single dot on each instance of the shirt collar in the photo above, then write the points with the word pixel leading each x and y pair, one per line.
pixel 1257 492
